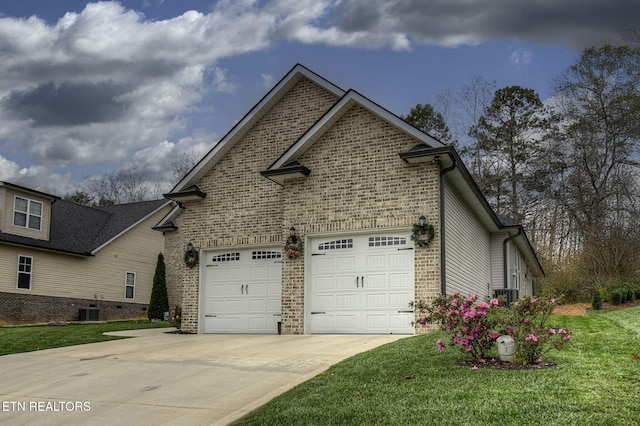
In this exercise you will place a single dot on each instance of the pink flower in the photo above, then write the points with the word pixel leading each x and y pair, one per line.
pixel 552 330
pixel 494 302
pixel 470 314
pixel 531 337
pixel 454 294
pixel 494 335
pixel 567 337
pixel 562 331
pixel 526 320
pixel 475 367
pixel 455 302
pixel 440 346
pixel 533 300
pixel 553 300
pixel 482 305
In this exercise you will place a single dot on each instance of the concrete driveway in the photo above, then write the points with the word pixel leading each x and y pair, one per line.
pixel 161 378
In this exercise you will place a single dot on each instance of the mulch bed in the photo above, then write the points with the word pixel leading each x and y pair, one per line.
pixel 496 364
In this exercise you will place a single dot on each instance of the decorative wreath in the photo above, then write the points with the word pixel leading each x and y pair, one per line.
pixel 191 257
pixel 423 234
pixel 293 247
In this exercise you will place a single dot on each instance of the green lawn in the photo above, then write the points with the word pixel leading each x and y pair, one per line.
pixel 37 337
pixel 597 382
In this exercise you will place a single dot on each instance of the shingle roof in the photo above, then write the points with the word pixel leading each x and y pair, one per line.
pixel 83 230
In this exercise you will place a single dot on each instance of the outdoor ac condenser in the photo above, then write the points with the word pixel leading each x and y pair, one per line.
pixel 510 293
pixel 90 314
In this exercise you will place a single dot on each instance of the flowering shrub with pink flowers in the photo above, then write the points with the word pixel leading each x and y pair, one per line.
pixel 526 321
pixel 467 321
pixel 473 326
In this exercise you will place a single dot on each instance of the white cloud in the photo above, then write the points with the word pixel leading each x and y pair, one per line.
pixel 521 56
pixel 106 84
pixel 8 169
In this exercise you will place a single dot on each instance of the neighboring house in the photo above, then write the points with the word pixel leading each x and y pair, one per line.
pixel 58 258
pixel 350 180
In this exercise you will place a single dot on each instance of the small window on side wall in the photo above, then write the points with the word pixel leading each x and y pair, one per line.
pixel 130 285
pixel 25 267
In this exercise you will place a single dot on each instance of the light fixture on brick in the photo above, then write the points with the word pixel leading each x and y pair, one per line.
pixel 293 246
pixel 423 233
pixel 191 256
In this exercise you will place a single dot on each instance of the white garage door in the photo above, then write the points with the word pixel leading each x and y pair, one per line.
pixel 242 291
pixel 361 284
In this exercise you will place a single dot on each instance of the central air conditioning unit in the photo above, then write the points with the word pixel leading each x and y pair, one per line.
pixel 511 294
pixel 90 314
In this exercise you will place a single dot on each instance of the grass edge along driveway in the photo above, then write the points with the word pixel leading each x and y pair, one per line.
pixel 408 382
pixel 39 337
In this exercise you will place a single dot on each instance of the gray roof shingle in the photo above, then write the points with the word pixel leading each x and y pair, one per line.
pixel 80 230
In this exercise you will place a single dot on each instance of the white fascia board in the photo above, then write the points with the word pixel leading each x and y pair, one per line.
pixel 94 251
pixel 170 216
pixel 255 114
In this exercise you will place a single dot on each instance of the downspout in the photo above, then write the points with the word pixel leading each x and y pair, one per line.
pixel 504 255
pixel 443 270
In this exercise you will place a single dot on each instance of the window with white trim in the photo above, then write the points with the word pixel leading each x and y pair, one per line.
pixel 25 265
pixel 258 255
pixel 27 213
pixel 226 257
pixel 384 241
pixel 130 285
pixel 336 244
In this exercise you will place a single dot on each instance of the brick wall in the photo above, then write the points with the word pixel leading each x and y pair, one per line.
pixel 16 308
pixel 241 206
pixel 357 182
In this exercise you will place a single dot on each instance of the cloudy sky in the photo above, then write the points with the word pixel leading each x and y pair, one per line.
pixel 94 88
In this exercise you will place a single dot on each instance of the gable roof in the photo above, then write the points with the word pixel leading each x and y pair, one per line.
pixel 287 164
pixel 459 176
pixel 253 116
pixel 82 230
pixel 344 104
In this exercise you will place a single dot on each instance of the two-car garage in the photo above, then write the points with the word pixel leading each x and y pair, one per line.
pixel 354 284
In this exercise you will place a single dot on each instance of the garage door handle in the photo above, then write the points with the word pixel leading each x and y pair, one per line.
pixel 318 254
pixel 211 316
pixel 316 313
pixel 242 289
pixel 357 282
pixel 406 248
pixel 405 312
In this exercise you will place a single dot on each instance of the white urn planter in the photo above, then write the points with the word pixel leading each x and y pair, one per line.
pixel 506 348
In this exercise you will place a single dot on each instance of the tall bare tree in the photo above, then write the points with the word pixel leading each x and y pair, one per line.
pixel 508 136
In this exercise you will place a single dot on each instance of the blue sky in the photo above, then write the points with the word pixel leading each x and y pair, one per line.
pixel 93 88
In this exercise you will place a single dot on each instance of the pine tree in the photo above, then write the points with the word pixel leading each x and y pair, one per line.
pixel 159 303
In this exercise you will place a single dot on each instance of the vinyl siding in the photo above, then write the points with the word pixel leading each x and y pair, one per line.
pixel 100 277
pixel 468 248
pixel 497 262
pixel 7 197
pixel 519 275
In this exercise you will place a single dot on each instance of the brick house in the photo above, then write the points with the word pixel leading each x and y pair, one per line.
pixel 58 258
pixel 343 182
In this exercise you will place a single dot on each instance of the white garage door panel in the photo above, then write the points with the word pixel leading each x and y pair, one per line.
pixel 359 284
pixel 242 291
